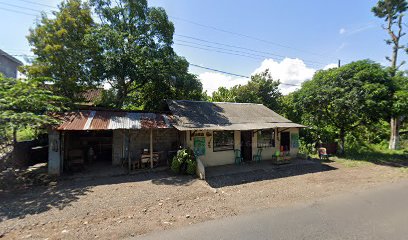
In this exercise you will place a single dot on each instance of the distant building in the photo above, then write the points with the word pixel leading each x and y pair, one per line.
pixel 9 65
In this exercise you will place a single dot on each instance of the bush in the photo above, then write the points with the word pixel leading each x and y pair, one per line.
pixel 175 165
pixel 191 166
pixel 184 162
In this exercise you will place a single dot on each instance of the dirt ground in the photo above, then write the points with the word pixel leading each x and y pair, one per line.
pixel 124 206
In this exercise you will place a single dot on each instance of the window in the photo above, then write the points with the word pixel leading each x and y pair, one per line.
pixel 223 140
pixel 266 138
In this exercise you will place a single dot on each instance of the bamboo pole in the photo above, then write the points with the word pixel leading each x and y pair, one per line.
pixel 151 147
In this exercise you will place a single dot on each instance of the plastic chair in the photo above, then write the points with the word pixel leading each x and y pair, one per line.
pixel 238 157
pixel 258 156
pixel 323 154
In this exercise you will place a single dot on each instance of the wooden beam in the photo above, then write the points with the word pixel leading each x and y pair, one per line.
pixel 151 147
pixel 128 150
pixel 192 133
pixel 283 130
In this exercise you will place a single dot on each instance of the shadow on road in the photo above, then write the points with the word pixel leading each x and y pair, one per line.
pixel 60 194
pixel 267 173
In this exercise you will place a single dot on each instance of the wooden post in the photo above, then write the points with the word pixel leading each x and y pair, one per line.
pixel 128 151
pixel 151 147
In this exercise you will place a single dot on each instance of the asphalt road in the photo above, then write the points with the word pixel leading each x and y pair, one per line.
pixel 381 213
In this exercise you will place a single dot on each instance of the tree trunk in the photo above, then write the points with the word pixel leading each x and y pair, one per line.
pixel 14 136
pixel 342 136
pixel 122 93
pixel 394 137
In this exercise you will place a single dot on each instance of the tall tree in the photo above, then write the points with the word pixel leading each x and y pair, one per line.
pixel 138 59
pixel 260 89
pixel 62 53
pixel 345 98
pixel 392 11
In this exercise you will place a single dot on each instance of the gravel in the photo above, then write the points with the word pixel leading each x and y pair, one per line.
pixel 125 206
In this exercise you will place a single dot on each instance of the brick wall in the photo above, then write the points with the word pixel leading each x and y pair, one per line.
pixel 164 140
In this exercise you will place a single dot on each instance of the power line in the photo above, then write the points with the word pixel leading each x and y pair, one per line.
pixel 244 35
pixel 240 47
pixel 20 7
pixel 220 71
pixel 39 4
pixel 212 50
pixel 247 55
pixel 16 11
pixel 234 74
pixel 225 49
pixel 258 56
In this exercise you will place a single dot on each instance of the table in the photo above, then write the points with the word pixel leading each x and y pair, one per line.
pixel 145 158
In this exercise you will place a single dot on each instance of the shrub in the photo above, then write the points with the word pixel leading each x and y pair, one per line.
pixel 184 162
pixel 175 165
pixel 191 166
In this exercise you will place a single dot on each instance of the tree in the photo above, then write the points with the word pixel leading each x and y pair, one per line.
pixel 392 11
pixel 344 98
pixel 26 103
pixel 170 81
pixel 138 59
pixel 260 89
pixel 62 53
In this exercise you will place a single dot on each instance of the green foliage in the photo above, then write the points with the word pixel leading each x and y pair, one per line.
pixel 390 9
pixel 191 166
pixel 399 105
pixel 26 134
pixel 25 103
pixel 340 100
pixel 260 89
pixel 137 58
pixel 184 162
pixel 175 165
pixel 62 52
pixel 393 11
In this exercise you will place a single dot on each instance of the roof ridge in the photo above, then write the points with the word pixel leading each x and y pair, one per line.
pixel 217 102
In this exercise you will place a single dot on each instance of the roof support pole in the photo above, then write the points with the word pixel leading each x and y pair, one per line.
pixel 128 151
pixel 151 147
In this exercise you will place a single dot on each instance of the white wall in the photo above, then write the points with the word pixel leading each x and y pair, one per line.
pixel 212 158
pixel 54 153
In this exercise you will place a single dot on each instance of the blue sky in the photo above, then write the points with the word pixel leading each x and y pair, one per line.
pixel 309 34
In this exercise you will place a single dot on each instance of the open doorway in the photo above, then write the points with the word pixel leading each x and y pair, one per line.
pixel 87 150
pixel 285 141
pixel 246 145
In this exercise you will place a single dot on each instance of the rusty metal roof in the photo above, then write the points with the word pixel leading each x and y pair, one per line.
pixel 109 120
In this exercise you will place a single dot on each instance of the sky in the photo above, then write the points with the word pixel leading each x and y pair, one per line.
pixel 291 38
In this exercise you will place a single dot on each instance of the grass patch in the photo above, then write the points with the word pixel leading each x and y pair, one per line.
pixel 26 134
pixel 375 154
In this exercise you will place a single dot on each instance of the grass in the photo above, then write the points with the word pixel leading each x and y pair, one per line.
pixel 374 154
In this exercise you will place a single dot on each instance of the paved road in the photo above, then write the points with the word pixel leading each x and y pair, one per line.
pixel 377 214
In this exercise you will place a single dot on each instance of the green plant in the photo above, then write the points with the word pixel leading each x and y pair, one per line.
pixel 191 166
pixel 184 162
pixel 175 165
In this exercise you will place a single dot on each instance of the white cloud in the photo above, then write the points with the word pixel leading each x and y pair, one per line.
pixel 290 71
pixel 342 31
pixel 212 81
pixel 331 65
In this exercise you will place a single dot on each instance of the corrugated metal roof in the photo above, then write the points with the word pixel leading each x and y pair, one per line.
pixel 109 120
pixel 194 115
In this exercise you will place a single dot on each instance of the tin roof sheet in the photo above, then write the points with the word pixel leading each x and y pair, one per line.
pixel 109 120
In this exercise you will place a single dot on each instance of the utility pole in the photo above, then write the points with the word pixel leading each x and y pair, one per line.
pixel 338 64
